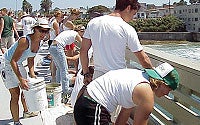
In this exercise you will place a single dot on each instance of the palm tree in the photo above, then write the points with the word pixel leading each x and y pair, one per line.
pixel 46 5
pixel 26 6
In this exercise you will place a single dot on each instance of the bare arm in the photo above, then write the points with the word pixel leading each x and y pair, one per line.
pixel 1 27
pixel 31 67
pixel 22 46
pixel 144 98
pixel 123 116
pixel 56 28
pixel 73 57
pixel 85 46
pixel 15 30
pixel 143 59
pixel 78 38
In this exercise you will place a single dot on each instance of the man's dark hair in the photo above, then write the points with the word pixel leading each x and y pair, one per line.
pixel 122 4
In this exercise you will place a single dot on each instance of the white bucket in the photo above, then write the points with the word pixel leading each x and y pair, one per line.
pixel 54 91
pixel 36 96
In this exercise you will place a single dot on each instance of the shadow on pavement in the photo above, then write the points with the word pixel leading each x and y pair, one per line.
pixel 5 122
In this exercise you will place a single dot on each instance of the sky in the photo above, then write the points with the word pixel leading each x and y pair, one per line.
pixel 17 4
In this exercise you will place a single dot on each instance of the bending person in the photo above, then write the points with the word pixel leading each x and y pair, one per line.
pixel 58 55
pixel 15 74
pixel 126 87
pixel 55 30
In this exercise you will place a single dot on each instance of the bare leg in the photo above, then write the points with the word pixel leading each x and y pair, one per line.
pixel 69 54
pixel 23 102
pixel 14 105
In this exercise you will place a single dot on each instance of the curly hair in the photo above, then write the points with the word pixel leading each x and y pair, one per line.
pixel 75 11
pixel 154 83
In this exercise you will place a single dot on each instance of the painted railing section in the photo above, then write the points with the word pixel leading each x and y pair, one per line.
pixel 182 106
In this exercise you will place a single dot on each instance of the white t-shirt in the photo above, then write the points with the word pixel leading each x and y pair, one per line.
pixel 110 36
pixel 52 31
pixel 27 23
pixel 116 87
pixel 66 37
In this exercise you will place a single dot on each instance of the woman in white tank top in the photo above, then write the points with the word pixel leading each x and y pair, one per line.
pixel 15 76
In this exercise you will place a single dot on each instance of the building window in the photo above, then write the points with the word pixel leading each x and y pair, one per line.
pixel 189 19
pixel 196 10
pixel 196 19
pixel 189 11
pixel 138 15
pixel 179 11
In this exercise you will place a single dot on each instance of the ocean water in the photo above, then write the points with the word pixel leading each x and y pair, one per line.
pixel 190 50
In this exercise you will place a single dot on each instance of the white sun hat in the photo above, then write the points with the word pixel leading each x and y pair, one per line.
pixel 42 22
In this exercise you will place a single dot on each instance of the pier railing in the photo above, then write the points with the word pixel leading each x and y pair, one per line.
pixel 182 106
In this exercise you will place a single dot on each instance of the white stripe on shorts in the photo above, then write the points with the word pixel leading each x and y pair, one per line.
pixel 97 115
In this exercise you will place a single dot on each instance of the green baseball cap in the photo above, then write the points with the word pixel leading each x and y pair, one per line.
pixel 165 72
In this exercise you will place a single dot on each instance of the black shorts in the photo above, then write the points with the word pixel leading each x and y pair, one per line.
pixel 89 112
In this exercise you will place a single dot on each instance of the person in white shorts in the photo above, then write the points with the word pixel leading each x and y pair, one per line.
pixel 15 75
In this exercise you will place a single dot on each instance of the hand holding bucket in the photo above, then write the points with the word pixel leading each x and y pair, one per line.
pixel 24 84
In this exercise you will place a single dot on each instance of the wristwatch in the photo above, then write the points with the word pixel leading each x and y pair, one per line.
pixel 87 74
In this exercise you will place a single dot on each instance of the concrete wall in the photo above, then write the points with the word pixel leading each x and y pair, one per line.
pixel 177 36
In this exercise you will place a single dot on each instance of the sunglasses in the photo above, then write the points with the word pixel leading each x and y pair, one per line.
pixel 43 31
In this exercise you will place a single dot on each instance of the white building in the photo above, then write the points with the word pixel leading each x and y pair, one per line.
pixel 154 11
pixel 142 11
pixel 190 14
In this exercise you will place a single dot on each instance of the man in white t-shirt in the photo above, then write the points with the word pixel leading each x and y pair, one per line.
pixel 109 35
pixel 27 23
